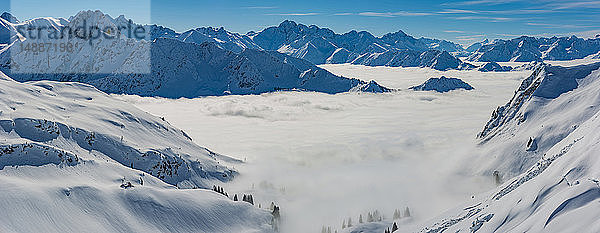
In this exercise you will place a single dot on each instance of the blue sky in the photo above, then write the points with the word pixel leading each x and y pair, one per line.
pixel 463 22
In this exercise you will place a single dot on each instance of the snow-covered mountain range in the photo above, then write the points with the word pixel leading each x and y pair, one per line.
pixel 167 67
pixel 75 159
pixel 311 43
pixel 322 45
pixel 526 48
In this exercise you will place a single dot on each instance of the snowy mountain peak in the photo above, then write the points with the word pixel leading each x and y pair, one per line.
pixel 399 33
pixel 288 24
pixel 9 17
pixel 442 84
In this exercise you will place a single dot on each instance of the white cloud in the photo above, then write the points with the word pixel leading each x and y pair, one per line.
pixel 486 18
pixel 547 25
pixel 482 2
pixel 294 14
pixel 394 14
pixel 577 4
pixel 260 7
pixel 458 11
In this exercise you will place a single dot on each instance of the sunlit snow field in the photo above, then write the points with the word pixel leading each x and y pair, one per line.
pixel 324 158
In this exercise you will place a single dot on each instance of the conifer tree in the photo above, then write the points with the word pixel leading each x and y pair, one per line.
pixel 406 212
pixel 360 220
pixel 394 227
pixel 349 222
pixel 235 197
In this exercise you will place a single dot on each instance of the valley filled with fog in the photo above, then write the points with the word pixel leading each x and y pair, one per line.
pixel 324 158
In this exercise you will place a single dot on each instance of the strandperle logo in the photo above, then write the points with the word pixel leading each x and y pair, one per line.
pixel 83 31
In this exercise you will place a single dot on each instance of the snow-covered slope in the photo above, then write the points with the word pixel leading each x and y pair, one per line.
pixel 527 126
pixel 73 159
pixel 525 49
pixel 442 84
pixel 543 145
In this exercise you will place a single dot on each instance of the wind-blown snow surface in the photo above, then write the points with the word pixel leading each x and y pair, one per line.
pixel 69 152
pixel 324 158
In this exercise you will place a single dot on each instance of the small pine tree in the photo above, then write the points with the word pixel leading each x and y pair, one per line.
pixel 394 227
pixel 397 215
pixel 349 222
pixel 369 217
pixel 406 212
pixel 360 220
pixel 497 178
pixel 344 224
pixel 276 213
pixel 376 216
pixel 235 197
